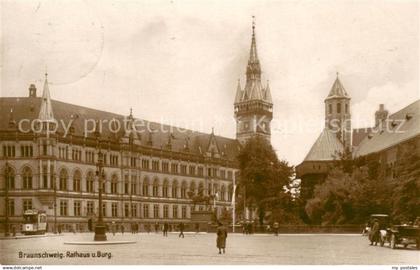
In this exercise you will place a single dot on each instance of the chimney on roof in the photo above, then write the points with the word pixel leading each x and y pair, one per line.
pixel 32 90
pixel 381 116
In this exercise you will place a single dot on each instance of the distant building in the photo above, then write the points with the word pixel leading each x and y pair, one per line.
pixel 148 171
pixel 390 133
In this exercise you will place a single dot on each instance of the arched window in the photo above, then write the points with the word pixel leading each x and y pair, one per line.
pixel 156 188
pixel 222 193
pixel 200 188
pixel 192 187
pixel 77 178
pixel 146 187
pixel 63 180
pixel 230 193
pixel 165 189
pixel 184 190
pixel 114 184
pixel 216 190
pixel 338 107
pixel 27 178
pixel 10 177
pixel 175 189
pixel 89 182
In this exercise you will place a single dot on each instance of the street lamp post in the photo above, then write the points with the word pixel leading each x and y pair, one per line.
pixel 55 202
pixel 100 226
pixel 216 195
pixel 6 222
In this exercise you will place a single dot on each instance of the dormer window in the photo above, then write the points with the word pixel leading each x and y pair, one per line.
pixel 338 107
pixel 330 108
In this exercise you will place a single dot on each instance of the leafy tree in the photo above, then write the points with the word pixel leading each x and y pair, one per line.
pixel 263 178
pixel 353 190
pixel 406 194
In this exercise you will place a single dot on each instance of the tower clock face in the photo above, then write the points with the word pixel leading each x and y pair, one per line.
pixel 245 126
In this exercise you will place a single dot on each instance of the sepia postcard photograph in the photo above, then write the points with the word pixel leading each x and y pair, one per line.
pixel 208 133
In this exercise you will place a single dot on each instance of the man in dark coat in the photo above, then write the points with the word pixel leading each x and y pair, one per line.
pixel 374 233
pixel 221 237
pixel 181 229
pixel 165 229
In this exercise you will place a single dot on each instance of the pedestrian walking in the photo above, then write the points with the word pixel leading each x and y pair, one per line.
pixel 221 237
pixel 276 228
pixel 122 229
pixel 156 227
pixel 113 229
pixel 374 233
pixel 197 227
pixel 59 228
pixel 181 230
pixel 165 229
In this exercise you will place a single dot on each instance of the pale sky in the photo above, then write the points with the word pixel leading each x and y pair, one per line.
pixel 178 62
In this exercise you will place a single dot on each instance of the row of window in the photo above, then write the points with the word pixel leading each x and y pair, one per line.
pixel 128 211
pixel 25 151
pixel 157 190
pixel 76 154
pixel 338 108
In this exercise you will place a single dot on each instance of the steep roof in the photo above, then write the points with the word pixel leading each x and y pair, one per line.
pixel 337 90
pixel 406 126
pixel 182 139
pixel 326 147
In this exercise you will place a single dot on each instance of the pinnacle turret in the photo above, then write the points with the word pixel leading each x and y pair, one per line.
pixel 46 112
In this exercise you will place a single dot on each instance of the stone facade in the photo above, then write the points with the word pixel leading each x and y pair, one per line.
pixel 150 174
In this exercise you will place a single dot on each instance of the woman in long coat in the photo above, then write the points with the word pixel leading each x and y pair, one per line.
pixel 221 237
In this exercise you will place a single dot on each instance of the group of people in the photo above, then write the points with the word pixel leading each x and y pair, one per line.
pixel 166 227
pixel 220 240
pixel 248 228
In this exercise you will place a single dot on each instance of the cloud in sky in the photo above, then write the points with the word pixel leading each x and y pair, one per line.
pixel 179 61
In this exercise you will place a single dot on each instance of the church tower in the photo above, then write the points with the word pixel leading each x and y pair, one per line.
pixel 253 104
pixel 337 113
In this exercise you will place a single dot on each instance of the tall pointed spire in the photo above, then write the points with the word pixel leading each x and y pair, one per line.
pixel 267 93
pixel 253 89
pixel 253 55
pixel 239 92
pixel 46 112
pixel 253 70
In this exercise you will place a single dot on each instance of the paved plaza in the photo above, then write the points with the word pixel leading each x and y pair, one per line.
pixel 201 249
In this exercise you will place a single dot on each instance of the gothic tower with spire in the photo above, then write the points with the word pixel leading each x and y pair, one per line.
pixel 253 104
pixel 337 113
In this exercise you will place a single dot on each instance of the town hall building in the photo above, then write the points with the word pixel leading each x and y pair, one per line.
pixel 49 162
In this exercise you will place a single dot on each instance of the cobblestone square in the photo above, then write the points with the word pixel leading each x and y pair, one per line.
pixel 201 249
